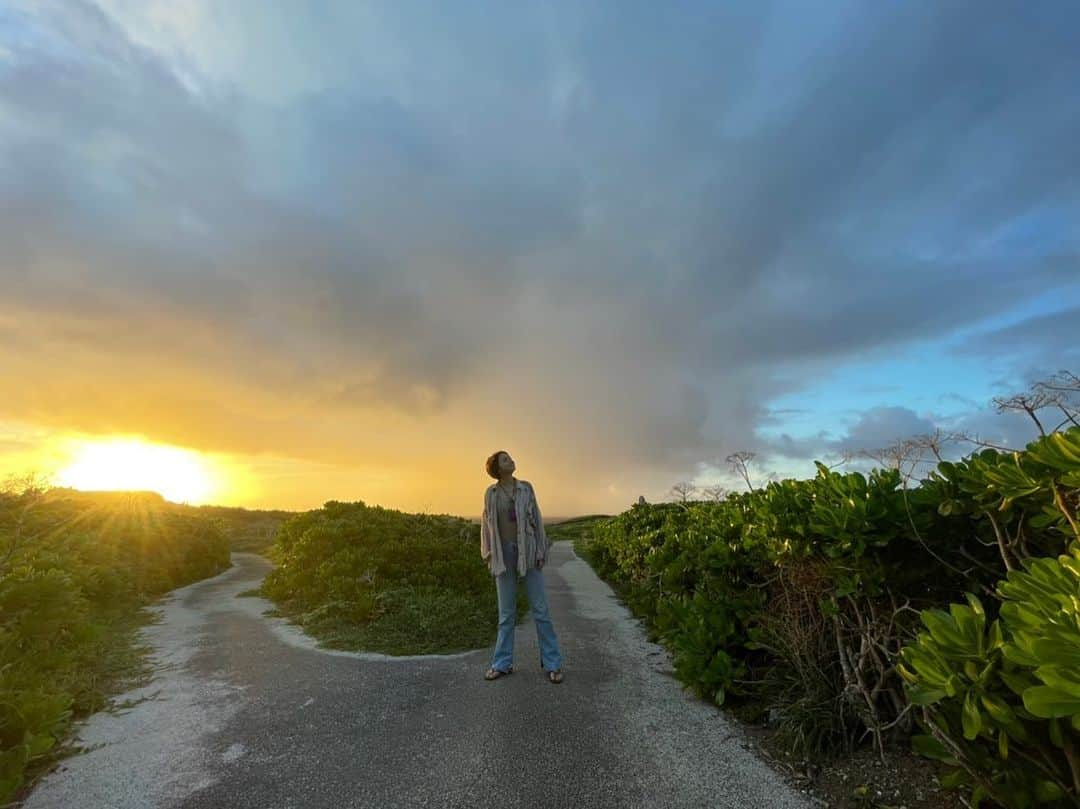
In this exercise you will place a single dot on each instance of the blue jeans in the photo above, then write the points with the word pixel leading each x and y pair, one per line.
pixel 506 586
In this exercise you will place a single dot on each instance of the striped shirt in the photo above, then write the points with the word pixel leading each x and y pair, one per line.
pixel 529 538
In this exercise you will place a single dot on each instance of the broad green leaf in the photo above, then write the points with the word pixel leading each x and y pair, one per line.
pixel 1047 702
pixel 1015 654
pixel 956 778
pixel 978 795
pixel 1056 652
pixel 998 709
pixel 908 676
pixel 970 717
pixel 926 745
pixel 1047 791
pixel 944 630
pixel 1065 679
pixel 924 695
pixel 1056 738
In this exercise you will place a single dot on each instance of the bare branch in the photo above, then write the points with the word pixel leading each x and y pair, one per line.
pixel 904 456
pixel 1030 403
pixel 935 442
pixel 1068 417
pixel 740 462
pixel 845 458
pixel 972 438
pixel 715 493
pixel 1063 381
pixel 683 490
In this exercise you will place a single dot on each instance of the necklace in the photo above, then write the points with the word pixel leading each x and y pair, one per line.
pixel 512 508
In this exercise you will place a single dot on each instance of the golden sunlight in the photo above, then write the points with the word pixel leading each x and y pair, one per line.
pixel 131 464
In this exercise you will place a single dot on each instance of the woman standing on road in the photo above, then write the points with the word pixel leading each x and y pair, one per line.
pixel 513 543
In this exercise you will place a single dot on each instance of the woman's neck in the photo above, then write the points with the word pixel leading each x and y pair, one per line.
pixel 507 481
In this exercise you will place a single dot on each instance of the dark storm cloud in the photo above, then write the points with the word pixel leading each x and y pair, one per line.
pixel 659 206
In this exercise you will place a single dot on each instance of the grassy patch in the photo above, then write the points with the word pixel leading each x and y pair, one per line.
pixel 249 530
pixel 575 529
pixel 411 620
pixel 362 577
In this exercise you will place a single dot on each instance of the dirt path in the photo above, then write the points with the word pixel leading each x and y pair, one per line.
pixel 246 712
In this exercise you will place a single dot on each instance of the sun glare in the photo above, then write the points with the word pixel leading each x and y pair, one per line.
pixel 131 464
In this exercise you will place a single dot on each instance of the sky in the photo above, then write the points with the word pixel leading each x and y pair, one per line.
pixel 346 250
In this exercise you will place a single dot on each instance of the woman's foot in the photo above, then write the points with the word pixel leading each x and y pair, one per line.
pixel 555 676
pixel 495 674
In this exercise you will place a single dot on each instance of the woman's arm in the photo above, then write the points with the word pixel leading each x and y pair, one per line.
pixel 485 534
pixel 538 524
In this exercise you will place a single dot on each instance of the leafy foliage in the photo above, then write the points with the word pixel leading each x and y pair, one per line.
pixel 1001 700
pixel 360 576
pixel 77 568
pixel 802 594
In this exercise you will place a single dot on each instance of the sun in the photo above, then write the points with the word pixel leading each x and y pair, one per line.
pixel 132 464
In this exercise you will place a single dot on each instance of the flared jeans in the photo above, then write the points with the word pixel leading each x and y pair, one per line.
pixel 506 586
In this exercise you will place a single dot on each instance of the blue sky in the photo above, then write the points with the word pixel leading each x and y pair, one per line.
pixel 620 240
pixel 935 378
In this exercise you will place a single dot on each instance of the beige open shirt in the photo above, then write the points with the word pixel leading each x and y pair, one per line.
pixel 531 539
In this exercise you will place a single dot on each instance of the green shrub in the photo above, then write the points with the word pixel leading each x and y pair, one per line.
pixel 1001 702
pixel 78 568
pixel 709 576
pixel 801 594
pixel 366 577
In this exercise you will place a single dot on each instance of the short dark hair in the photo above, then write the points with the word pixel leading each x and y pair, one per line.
pixel 492 464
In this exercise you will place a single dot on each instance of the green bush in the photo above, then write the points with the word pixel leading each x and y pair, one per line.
pixel 711 577
pixel 78 568
pixel 1001 702
pixel 800 595
pixel 365 577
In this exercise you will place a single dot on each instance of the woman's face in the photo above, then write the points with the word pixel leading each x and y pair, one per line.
pixel 506 463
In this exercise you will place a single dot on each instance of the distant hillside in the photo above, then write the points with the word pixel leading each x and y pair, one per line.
pixel 253 530
pixel 572 528
pixel 250 530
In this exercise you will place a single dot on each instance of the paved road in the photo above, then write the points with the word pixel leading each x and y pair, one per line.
pixel 244 711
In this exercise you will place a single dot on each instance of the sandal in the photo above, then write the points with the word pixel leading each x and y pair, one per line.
pixel 495 674
pixel 555 676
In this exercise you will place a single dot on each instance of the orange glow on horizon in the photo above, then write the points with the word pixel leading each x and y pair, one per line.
pixel 128 464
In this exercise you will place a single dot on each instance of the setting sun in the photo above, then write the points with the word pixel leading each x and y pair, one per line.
pixel 179 475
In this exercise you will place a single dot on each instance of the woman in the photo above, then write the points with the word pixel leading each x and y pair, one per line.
pixel 513 543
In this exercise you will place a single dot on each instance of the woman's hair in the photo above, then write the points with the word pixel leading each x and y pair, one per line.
pixel 492 464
